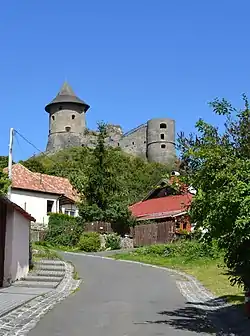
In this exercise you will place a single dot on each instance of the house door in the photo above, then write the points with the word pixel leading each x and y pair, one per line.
pixel 3 213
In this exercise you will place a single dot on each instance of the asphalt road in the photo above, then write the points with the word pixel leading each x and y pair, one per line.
pixel 121 299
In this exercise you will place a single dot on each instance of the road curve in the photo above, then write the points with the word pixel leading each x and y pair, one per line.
pixel 122 299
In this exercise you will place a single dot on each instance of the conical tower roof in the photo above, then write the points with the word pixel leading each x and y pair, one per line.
pixel 66 95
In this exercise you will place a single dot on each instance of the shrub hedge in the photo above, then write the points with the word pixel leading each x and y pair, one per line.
pixel 113 241
pixel 64 230
pixel 187 249
pixel 90 242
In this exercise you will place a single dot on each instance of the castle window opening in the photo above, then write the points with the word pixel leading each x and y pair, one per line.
pixel 133 143
pixel 53 117
pixel 163 146
pixel 118 144
pixel 67 128
pixel 163 125
pixel 162 136
pixel 73 116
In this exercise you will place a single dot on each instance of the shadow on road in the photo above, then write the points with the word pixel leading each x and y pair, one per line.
pixel 209 317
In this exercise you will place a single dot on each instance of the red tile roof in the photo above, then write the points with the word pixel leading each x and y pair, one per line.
pixel 161 207
pixel 23 178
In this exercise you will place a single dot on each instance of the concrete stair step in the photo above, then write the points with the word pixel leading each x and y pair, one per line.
pixel 34 284
pixel 49 273
pixel 42 278
pixel 50 262
pixel 45 267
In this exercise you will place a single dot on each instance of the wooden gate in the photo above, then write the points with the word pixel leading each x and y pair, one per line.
pixel 3 213
pixel 154 233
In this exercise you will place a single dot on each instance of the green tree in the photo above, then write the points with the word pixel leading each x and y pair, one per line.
pixel 101 190
pixel 3 162
pixel 4 181
pixel 217 164
pixel 34 164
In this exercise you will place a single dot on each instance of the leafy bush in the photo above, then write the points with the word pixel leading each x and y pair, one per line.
pixel 113 241
pixel 157 250
pixel 90 242
pixel 183 248
pixel 63 230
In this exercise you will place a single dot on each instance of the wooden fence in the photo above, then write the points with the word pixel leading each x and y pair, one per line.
pixel 101 227
pixel 154 233
pixel 143 234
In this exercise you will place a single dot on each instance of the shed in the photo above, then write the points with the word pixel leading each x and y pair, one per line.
pixel 14 241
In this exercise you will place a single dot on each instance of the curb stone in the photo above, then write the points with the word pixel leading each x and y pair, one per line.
pixel 21 320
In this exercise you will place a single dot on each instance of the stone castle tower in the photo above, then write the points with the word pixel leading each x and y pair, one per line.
pixel 66 119
pixel 154 140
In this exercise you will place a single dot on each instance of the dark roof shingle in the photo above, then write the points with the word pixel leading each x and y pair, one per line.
pixel 66 95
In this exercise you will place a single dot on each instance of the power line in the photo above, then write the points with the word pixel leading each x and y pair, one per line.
pixel 29 142
pixel 34 146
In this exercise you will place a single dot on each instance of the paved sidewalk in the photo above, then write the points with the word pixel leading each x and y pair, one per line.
pixel 21 292
pixel 13 297
pixel 23 304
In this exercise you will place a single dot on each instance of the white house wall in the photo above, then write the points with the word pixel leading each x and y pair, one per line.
pixel 35 203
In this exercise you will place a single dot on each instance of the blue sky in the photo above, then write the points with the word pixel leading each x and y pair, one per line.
pixel 131 60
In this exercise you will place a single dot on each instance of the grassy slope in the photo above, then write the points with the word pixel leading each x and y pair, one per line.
pixel 209 272
pixel 43 252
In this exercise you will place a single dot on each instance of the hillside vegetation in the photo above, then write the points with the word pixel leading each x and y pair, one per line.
pixel 136 176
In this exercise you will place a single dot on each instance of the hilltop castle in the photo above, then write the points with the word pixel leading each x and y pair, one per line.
pixel 154 140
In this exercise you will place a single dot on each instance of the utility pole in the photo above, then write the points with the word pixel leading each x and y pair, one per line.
pixel 10 159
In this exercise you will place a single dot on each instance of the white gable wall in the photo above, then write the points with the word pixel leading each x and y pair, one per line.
pixel 35 203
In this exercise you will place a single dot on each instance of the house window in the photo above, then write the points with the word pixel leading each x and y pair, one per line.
pixel 163 146
pixel 162 136
pixel 49 206
pixel 73 116
pixel 185 226
pixel 163 125
pixel 70 212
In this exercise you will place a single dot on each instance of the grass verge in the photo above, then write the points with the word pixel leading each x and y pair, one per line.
pixel 210 272
pixel 44 252
pixel 39 245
